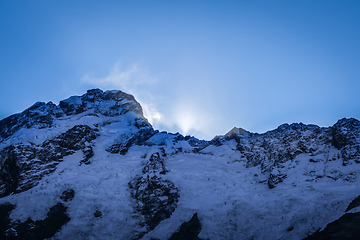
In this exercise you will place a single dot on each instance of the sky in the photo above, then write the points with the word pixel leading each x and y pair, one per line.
pixel 197 67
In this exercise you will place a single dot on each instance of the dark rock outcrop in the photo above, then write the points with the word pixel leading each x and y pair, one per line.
pixel 354 203
pixel 42 115
pixel 271 150
pixel 23 165
pixel 5 210
pixel 345 228
pixel 188 230
pixel 156 199
pixel 345 132
pixel 138 138
pixel 67 195
pixel 275 179
pixel 34 230
pixel 109 103
pixel 346 138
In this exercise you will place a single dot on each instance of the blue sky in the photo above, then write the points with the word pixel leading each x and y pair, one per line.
pixel 197 67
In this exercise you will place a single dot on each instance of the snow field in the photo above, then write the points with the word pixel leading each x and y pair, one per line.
pixel 232 205
pixel 232 201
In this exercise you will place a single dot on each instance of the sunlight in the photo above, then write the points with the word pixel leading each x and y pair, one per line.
pixel 151 113
pixel 186 122
pixel 191 120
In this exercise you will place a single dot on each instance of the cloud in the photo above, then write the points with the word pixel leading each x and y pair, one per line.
pixel 151 113
pixel 184 114
pixel 129 79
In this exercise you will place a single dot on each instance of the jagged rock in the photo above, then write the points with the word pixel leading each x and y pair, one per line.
pixel 97 214
pixel 280 145
pixel 273 149
pixel 345 228
pixel 188 230
pixel 156 198
pixel 109 103
pixel 10 171
pixel 5 221
pixel 23 165
pixel 88 153
pixel 37 230
pixel 274 179
pixel 354 203
pixel 155 164
pixel 67 195
pixel 138 138
pixel 40 115
pixel 73 139
pixel 345 132
pixel 236 133
pixel 346 138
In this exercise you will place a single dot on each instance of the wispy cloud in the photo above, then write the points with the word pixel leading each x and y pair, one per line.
pixel 151 113
pixel 127 79
pixel 183 115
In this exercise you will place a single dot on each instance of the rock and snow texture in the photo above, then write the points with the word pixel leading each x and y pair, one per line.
pixel 95 163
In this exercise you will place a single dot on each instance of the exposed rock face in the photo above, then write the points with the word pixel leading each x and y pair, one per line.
pixel 346 134
pixel 42 115
pixel 23 165
pixel 345 228
pixel 138 138
pixel 354 203
pixel 109 103
pixel 32 230
pixel 133 180
pixel 5 220
pixel 188 230
pixel 275 179
pixel 67 195
pixel 275 148
pixel 283 144
pixel 156 198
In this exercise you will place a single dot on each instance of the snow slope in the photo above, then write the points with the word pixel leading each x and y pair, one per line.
pixel 102 164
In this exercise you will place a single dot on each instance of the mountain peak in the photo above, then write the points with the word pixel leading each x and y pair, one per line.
pixel 348 123
pixel 108 103
pixel 236 132
pixel 96 163
pixel 95 101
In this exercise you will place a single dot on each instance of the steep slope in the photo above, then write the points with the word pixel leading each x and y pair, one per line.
pixel 95 162
pixel 283 184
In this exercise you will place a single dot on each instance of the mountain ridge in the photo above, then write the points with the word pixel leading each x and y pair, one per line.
pixel 101 143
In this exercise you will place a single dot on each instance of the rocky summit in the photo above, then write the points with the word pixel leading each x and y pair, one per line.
pixel 93 167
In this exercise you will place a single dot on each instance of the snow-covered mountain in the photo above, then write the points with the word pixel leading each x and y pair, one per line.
pixel 93 167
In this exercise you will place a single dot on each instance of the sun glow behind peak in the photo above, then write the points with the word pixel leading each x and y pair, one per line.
pixel 151 113
pixel 191 119
pixel 187 122
pixel 202 69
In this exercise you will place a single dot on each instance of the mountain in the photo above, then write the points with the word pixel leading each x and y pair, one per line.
pixel 93 167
